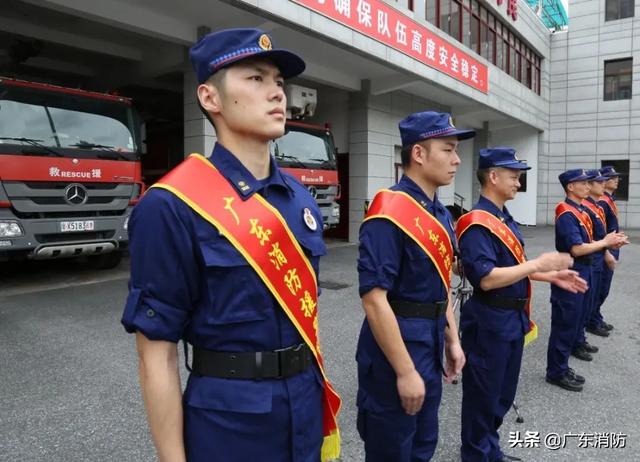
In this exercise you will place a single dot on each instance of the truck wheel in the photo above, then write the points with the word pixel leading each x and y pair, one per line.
pixel 106 260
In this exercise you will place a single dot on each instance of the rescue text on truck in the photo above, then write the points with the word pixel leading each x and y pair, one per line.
pixel 69 172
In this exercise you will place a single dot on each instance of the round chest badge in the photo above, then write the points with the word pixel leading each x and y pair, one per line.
pixel 309 220
pixel 265 42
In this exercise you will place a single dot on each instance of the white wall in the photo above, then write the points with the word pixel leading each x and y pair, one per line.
pixel 525 141
pixel 465 173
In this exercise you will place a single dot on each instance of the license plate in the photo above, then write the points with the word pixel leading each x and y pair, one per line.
pixel 73 226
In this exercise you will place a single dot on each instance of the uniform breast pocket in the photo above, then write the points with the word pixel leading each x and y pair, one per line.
pixel 236 293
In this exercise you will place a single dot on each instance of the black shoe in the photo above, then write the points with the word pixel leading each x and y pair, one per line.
pixel 506 458
pixel 582 353
pixel 591 348
pixel 575 377
pixel 599 331
pixel 606 326
pixel 565 382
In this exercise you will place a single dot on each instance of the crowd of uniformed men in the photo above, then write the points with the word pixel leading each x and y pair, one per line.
pixel 225 256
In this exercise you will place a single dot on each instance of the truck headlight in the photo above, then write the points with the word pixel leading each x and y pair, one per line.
pixel 10 228
pixel 335 211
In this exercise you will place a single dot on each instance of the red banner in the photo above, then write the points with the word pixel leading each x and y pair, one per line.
pixel 387 25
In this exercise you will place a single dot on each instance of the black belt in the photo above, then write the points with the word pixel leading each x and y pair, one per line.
pixel 499 301
pixel 257 365
pixel 419 310
pixel 585 260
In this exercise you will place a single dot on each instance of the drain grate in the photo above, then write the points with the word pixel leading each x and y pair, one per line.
pixel 332 285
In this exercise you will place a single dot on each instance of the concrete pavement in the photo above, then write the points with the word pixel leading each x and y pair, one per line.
pixel 70 392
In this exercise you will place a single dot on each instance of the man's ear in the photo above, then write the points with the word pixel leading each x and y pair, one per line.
pixel 493 175
pixel 416 154
pixel 209 98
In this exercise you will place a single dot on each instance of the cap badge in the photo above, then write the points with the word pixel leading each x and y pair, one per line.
pixel 309 220
pixel 451 122
pixel 265 42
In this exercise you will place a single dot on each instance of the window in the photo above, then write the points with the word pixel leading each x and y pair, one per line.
pixel 488 38
pixel 454 25
pixel 432 12
pixel 622 167
pixel 445 12
pixel 523 181
pixel 617 79
pixel 470 23
pixel 618 9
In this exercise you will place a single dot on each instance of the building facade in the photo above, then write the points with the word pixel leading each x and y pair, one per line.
pixel 493 64
pixel 594 115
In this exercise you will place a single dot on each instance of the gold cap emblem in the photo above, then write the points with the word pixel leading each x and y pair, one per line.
pixel 265 42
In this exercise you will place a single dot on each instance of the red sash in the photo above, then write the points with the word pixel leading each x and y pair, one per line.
pixel 261 235
pixel 610 202
pixel 510 241
pixel 403 210
pixel 597 211
pixel 583 217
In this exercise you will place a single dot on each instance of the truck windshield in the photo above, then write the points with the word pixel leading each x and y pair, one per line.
pixel 304 148
pixel 69 124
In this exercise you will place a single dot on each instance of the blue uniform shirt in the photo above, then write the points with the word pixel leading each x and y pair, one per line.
pixel 391 260
pixel 481 252
pixel 189 282
pixel 599 232
pixel 570 232
pixel 612 221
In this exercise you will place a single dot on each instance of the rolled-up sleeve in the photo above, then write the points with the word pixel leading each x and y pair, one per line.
pixel 164 275
pixel 478 253
pixel 568 232
pixel 380 255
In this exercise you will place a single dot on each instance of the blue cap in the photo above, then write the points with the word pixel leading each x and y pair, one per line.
pixel 577 174
pixel 223 48
pixel 424 125
pixel 501 157
pixel 609 172
pixel 596 175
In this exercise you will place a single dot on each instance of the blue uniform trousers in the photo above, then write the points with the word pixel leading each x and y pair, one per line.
pixel 566 315
pixel 388 432
pixel 606 277
pixel 489 383
pixel 288 429
pixel 591 311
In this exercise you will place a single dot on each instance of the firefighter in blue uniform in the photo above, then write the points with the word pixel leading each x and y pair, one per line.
pixel 493 322
pixel 399 355
pixel 582 349
pixel 567 308
pixel 597 325
pixel 189 283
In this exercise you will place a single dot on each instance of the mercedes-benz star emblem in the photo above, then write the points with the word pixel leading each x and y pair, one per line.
pixel 75 194
pixel 313 191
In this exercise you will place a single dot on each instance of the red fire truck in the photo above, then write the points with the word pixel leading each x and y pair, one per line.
pixel 69 172
pixel 307 152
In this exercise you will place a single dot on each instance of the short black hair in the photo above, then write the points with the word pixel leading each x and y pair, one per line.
pixel 216 79
pixel 405 155
pixel 405 152
pixel 482 174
